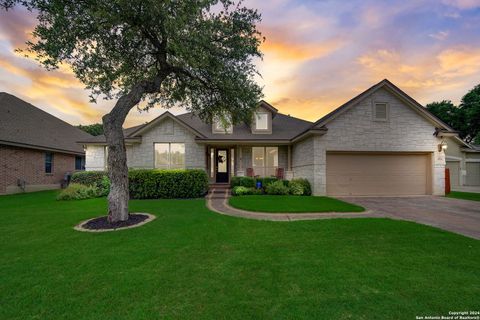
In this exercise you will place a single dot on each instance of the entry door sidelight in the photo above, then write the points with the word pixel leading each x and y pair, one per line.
pixel 221 166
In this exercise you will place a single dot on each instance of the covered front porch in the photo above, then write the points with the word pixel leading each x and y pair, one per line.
pixel 256 160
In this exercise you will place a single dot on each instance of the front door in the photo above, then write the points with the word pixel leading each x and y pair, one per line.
pixel 221 166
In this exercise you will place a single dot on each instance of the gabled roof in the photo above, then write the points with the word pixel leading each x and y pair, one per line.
pixel 284 128
pixel 24 125
pixel 167 114
pixel 386 84
pixel 269 107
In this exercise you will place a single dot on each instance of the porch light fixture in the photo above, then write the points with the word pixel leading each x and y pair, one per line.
pixel 442 146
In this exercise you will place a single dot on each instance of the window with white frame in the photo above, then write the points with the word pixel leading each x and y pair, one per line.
pixel 264 161
pixel 169 155
pixel 380 110
pixel 261 120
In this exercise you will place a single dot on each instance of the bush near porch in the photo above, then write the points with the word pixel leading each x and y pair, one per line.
pixel 153 183
pixel 270 185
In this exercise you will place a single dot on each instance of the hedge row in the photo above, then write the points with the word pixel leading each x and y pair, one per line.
pixel 154 184
pixel 271 186
pixel 169 184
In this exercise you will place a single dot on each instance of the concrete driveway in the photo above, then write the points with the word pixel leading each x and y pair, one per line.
pixel 459 216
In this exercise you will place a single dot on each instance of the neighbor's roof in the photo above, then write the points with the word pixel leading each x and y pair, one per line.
pixel 24 125
pixel 284 127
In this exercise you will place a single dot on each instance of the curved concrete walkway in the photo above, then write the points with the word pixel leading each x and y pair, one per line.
pixel 217 201
pixel 455 215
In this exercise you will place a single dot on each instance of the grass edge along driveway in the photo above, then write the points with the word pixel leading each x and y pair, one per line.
pixel 474 196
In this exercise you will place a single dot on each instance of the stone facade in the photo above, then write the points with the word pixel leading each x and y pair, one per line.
pixel 29 165
pixel 356 130
pixel 303 160
pixel 95 157
pixel 141 155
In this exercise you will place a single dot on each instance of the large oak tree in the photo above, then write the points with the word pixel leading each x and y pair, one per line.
pixel 196 54
pixel 465 118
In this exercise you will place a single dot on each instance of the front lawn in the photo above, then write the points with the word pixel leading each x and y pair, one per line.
pixel 292 204
pixel 464 195
pixel 191 263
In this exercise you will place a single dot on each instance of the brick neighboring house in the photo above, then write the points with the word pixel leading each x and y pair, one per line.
pixel 36 148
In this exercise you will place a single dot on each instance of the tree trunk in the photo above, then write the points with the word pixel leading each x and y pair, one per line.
pixel 117 155
pixel 117 169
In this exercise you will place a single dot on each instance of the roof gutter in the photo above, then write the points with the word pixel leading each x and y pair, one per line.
pixel 35 147
pixel 310 132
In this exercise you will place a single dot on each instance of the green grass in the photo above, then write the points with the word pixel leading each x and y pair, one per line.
pixel 292 204
pixel 191 263
pixel 464 195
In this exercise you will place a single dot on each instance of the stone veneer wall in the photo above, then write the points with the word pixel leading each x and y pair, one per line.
pixel 303 160
pixel 141 156
pixel 356 130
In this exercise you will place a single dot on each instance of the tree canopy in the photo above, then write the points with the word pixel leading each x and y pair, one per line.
pixel 197 54
pixel 95 129
pixel 203 48
pixel 465 118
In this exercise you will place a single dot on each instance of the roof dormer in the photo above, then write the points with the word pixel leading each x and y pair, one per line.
pixel 262 118
pixel 222 125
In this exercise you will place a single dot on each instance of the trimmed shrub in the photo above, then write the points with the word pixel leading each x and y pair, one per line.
pixel 246 182
pixel 76 191
pixel 103 187
pixel 98 179
pixel 243 191
pixel 307 189
pixel 277 188
pixel 296 188
pixel 266 181
pixel 89 178
pixel 167 184
pixel 151 184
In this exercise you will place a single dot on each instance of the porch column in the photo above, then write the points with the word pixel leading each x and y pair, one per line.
pixel 240 170
pixel 289 172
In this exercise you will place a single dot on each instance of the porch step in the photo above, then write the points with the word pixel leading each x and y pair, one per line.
pixel 218 191
pixel 219 186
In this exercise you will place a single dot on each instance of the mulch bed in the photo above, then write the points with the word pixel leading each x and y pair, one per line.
pixel 103 224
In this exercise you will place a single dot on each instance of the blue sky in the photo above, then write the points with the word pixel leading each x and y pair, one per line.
pixel 318 54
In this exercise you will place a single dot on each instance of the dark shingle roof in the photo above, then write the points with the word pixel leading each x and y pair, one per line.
pixel 25 125
pixel 101 138
pixel 283 127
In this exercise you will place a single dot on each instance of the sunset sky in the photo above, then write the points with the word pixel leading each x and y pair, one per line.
pixel 317 55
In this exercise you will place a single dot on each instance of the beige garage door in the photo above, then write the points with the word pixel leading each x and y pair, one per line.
pixel 473 173
pixel 454 167
pixel 378 174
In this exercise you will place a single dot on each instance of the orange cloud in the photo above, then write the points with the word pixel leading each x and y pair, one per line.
pixel 459 62
pixel 300 51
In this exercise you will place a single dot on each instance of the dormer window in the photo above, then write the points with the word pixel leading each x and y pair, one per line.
pixel 261 120
pixel 222 125
pixel 380 111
